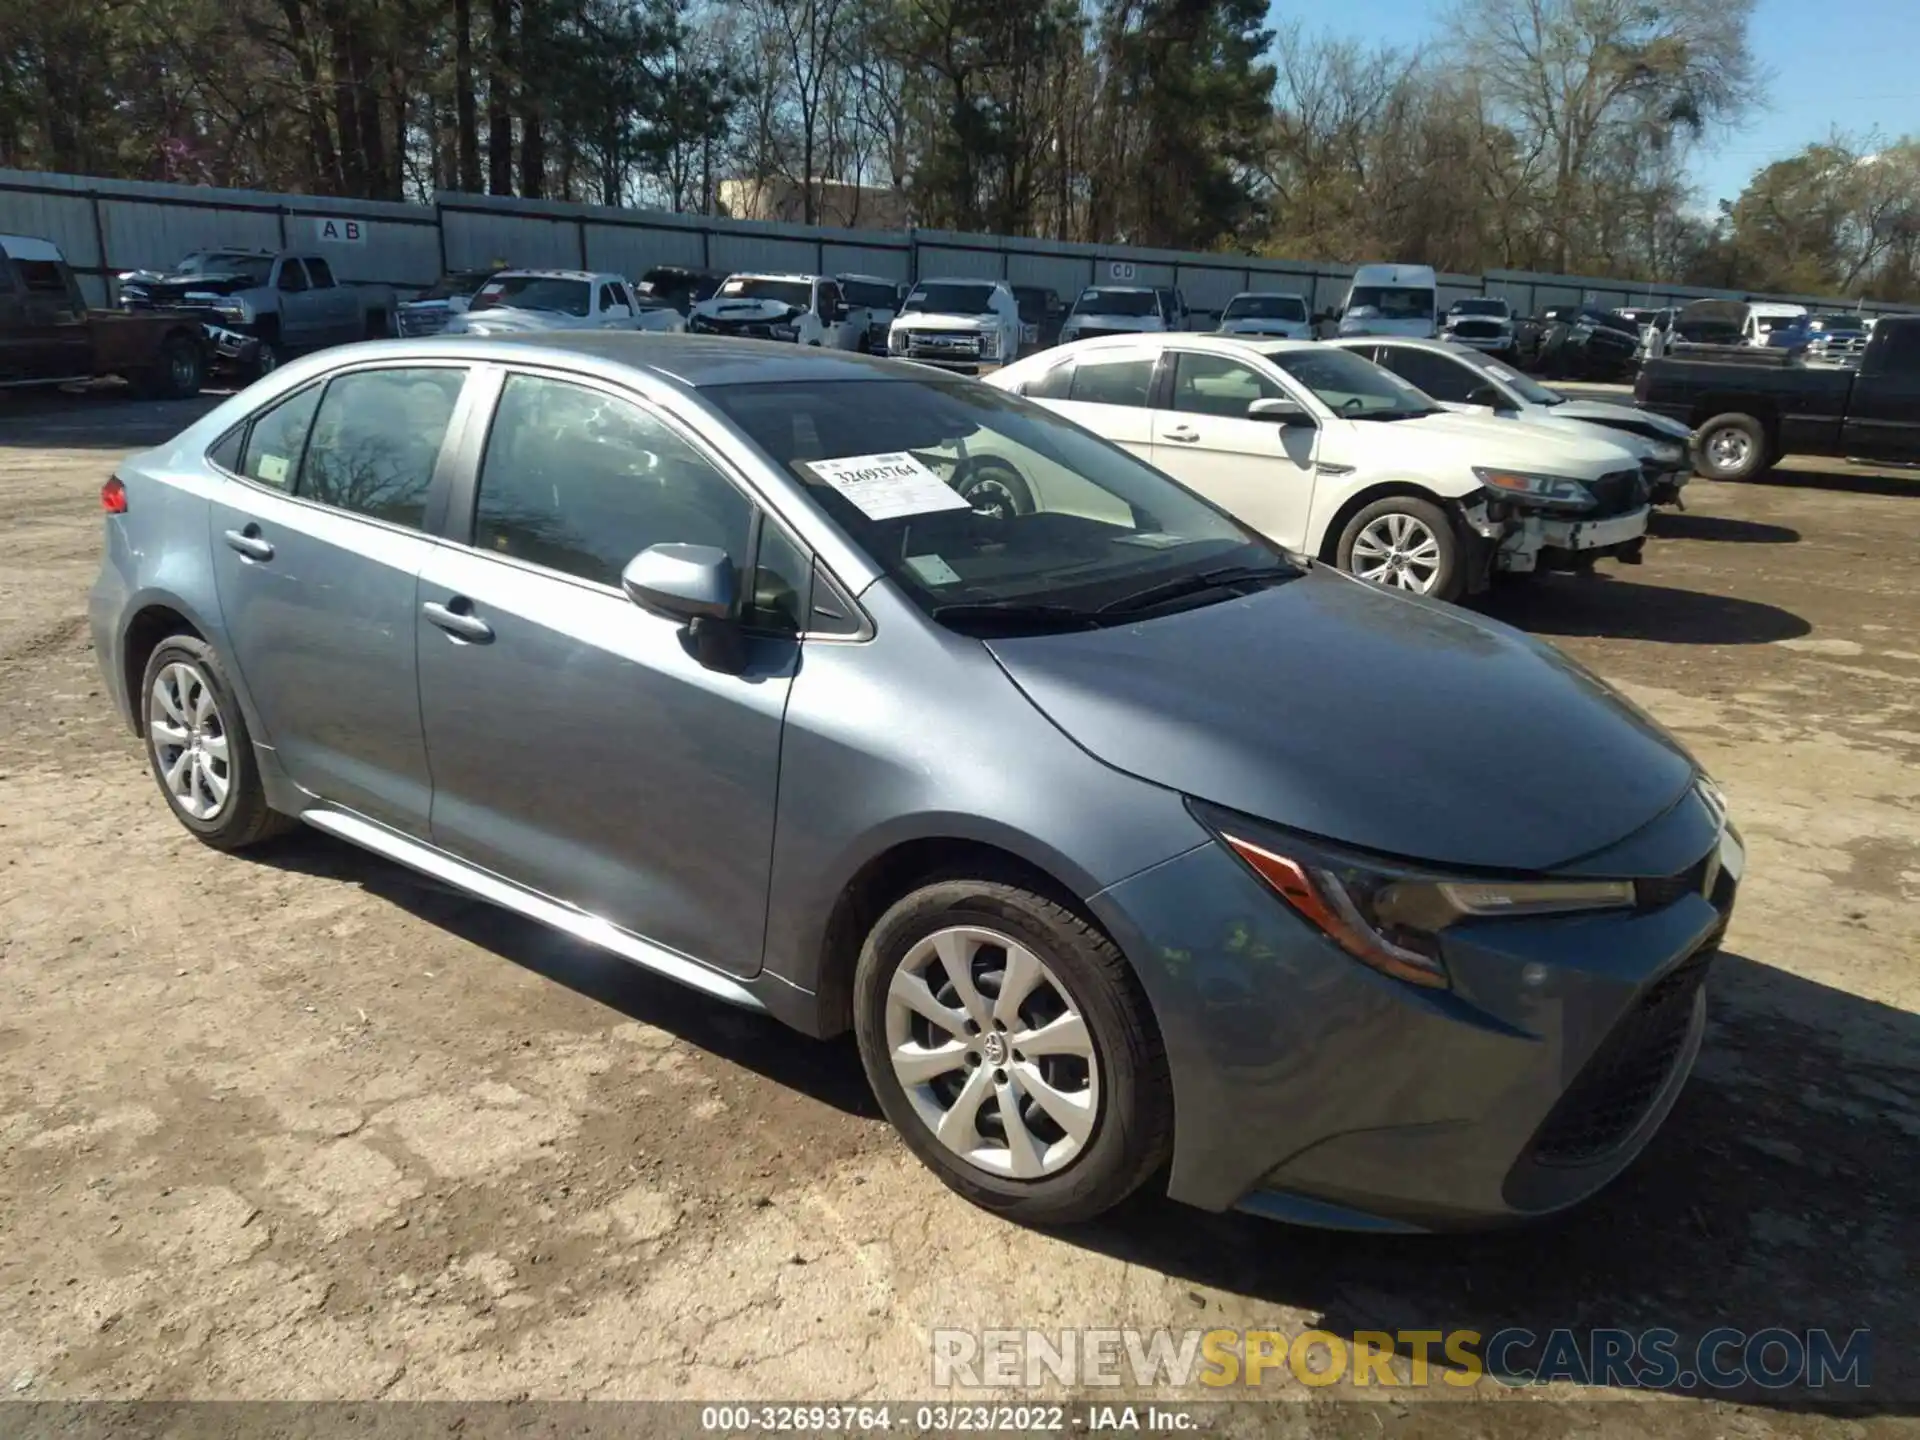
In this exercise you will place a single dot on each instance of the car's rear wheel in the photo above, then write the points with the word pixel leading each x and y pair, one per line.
pixel 179 373
pixel 1403 543
pixel 1731 447
pixel 1008 1042
pixel 266 356
pixel 198 746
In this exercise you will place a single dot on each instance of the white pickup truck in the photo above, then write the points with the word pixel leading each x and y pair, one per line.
pixel 799 309
pixel 517 301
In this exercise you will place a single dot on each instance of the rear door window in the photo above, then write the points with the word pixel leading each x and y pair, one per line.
pixel 1445 380
pixel 278 438
pixel 376 439
pixel 321 272
pixel 1112 380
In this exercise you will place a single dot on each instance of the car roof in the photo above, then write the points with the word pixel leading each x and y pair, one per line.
pixel 774 275
pixel 1183 339
pixel 1400 342
pixel 690 361
pixel 1268 295
pixel 558 274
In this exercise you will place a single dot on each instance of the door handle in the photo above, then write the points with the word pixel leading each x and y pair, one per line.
pixel 250 543
pixel 460 623
pixel 1181 435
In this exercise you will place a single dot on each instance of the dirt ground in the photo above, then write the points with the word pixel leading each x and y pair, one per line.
pixel 302 1125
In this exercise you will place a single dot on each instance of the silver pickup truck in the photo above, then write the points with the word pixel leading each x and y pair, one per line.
pixel 261 307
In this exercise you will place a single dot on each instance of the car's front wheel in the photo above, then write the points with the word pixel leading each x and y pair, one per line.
pixel 198 746
pixel 1404 543
pixel 1008 1041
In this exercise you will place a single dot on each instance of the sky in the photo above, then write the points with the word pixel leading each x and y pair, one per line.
pixel 1850 63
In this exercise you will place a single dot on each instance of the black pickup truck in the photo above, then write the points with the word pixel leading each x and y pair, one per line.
pixel 1749 413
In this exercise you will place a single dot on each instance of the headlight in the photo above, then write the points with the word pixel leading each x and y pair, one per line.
pixel 784 332
pixel 989 346
pixel 897 341
pixel 1389 916
pixel 1561 491
pixel 1669 452
pixel 473 327
pixel 236 312
pixel 1582 331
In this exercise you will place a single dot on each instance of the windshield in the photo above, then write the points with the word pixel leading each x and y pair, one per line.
pixel 1265 307
pixel 1065 520
pixel 797 293
pixel 1767 324
pixel 551 294
pixel 950 300
pixel 1525 386
pixel 463 283
pixel 874 294
pixel 1116 302
pixel 1355 388
pixel 1840 322
pixel 1391 302
pixel 256 268
pixel 1479 307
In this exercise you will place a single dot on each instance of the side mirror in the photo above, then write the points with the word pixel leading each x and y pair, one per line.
pixel 1280 412
pixel 694 584
pixel 682 582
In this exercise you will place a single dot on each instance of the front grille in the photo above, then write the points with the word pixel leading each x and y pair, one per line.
pixel 1612 1094
pixel 746 329
pixel 1619 492
pixel 942 345
pixel 1477 330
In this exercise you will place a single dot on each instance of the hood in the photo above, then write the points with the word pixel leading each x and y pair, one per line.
pixel 955 324
pixel 1624 417
pixel 512 320
pixel 1118 324
pixel 1361 320
pixel 1381 721
pixel 165 287
pixel 1492 440
pixel 745 310
pixel 1253 325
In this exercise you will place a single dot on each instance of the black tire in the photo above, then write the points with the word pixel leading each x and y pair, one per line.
pixel 267 356
pixel 994 488
pixel 1741 440
pixel 378 327
pixel 178 374
pixel 243 817
pixel 1450 576
pixel 1132 1133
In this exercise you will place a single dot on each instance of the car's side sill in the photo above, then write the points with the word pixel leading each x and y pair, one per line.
pixel 485 886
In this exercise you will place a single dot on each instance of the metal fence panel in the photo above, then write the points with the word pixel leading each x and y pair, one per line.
pixel 1065 275
pixel 632 250
pixel 1209 288
pixel 476 239
pixel 889 262
pixel 772 253
pixel 949 262
pixel 67 220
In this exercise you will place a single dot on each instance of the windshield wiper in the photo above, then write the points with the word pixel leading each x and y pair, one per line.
pixel 1185 585
pixel 1013 613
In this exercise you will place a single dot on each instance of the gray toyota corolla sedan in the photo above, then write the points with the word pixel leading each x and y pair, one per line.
pixel 1126 845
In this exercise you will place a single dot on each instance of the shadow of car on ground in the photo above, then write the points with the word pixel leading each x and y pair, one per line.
pixel 1601 605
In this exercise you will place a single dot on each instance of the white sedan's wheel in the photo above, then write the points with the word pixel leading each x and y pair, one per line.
pixel 1402 542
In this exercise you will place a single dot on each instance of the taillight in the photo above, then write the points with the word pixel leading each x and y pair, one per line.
pixel 113 496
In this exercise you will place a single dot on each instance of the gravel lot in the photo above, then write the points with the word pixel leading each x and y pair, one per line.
pixel 302 1125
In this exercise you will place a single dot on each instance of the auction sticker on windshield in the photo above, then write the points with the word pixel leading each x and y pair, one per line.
pixel 886 487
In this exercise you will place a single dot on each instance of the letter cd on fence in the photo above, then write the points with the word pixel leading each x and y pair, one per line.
pixel 332 230
pixel 1121 270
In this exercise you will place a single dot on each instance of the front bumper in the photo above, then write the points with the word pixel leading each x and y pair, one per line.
pixel 231 348
pixel 1527 542
pixel 1310 1088
pixel 1491 344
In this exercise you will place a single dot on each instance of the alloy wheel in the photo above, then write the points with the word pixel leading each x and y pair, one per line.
pixel 1399 551
pixel 189 738
pixel 993 1053
pixel 1730 448
pixel 183 369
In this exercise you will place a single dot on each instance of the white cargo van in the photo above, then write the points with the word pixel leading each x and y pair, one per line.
pixel 1392 300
